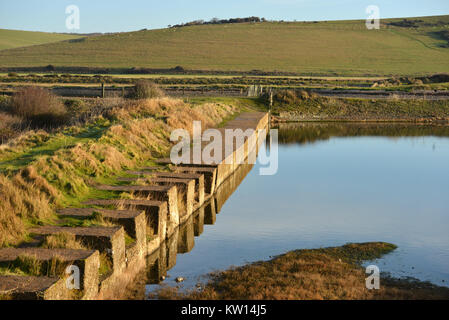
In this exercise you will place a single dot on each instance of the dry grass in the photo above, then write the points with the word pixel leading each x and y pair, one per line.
pixel 39 106
pixel 145 89
pixel 25 197
pixel 30 107
pixel 320 274
pixel 29 265
pixel 47 170
pixel 10 126
pixel 61 241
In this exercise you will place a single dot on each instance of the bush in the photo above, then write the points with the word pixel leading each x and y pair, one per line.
pixel 75 105
pixel 291 97
pixel 439 78
pixel 145 89
pixel 12 74
pixel 39 106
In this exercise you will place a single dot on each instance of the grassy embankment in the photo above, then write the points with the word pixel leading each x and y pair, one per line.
pixel 290 106
pixel 43 170
pixel 313 48
pixel 329 273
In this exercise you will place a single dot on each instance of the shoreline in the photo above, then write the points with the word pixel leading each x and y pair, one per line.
pixel 310 274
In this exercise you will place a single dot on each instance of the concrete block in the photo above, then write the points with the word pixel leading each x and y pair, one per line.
pixel 104 239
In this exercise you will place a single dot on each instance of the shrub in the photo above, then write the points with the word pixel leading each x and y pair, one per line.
pixel 75 105
pixel 12 74
pixel 292 97
pixel 50 67
pixel 439 78
pixel 39 106
pixel 286 97
pixel 145 89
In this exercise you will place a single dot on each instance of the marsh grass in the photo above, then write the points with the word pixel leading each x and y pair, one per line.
pixel 312 274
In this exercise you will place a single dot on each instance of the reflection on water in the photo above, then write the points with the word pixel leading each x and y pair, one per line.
pixel 301 133
pixel 337 183
pixel 183 240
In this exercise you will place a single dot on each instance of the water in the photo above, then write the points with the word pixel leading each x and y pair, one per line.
pixel 337 183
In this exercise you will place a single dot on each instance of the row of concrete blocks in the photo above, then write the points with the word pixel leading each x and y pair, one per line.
pixel 149 219
pixel 158 262
pixel 147 222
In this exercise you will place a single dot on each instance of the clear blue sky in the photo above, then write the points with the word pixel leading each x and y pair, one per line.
pixel 112 15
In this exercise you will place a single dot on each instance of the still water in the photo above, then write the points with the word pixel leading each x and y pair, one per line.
pixel 336 183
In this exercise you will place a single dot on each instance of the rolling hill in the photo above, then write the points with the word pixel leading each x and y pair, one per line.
pixel 319 48
pixel 15 39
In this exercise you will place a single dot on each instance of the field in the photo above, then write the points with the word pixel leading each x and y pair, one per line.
pixel 15 39
pixel 332 48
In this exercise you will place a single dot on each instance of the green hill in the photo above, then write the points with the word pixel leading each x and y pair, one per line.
pixel 14 38
pixel 321 48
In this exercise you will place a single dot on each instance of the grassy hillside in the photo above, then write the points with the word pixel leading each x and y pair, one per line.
pixel 338 47
pixel 14 39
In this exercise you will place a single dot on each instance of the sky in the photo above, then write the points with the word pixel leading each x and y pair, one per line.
pixel 130 15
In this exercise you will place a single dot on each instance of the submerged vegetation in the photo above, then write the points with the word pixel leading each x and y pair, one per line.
pixel 323 274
